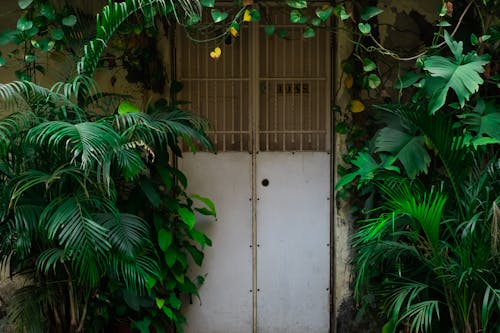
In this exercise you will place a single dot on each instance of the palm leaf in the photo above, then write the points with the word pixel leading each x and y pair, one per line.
pixel 12 128
pixel 128 233
pixel 136 272
pixel 84 240
pixel 87 143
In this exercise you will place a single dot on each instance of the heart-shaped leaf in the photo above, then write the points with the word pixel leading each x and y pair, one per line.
pixel 57 34
pixel 69 21
pixel 297 17
pixel 373 81
pixel 365 28
pixel 316 22
pixel 324 14
pixel 165 238
pixel 218 16
pixel 309 32
pixel 269 30
pixel 368 65
pixel 160 302
pixel 24 24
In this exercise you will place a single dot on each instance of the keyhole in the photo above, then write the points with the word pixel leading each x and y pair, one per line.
pixel 265 182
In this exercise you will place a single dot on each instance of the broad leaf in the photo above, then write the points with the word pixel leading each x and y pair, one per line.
pixel 187 216
pixel 208 3
pixel 23 4
pixel 485 120
pixel 369 12
pixel 409 149
pixel 366 168
pixel 218 16
pixel 165 238
pixel 460 74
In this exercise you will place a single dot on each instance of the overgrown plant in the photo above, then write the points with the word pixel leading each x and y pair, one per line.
pixel 91 208
pixel 428 251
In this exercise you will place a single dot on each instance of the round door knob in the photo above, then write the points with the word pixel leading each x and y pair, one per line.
pixel 265 182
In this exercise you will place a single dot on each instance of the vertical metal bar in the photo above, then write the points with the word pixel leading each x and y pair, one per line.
pixel 328 89
pixel 241 81
pixel 233 76
pixel 254 95
pixel 268 91
pixel 301 110
pixel 309 109
pixel 318 104
pixel 224 113
pixel 285 88
pixel 292 99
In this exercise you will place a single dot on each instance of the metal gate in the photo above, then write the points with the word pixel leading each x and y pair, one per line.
pixel 268 102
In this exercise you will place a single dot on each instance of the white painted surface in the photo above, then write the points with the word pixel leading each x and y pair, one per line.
pixel 293 232
pixel 226 300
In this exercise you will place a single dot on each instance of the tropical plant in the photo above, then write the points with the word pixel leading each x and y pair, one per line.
pixel 91 207
pixel 428 251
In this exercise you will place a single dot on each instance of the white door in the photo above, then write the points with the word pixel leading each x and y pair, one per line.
pixel 268 102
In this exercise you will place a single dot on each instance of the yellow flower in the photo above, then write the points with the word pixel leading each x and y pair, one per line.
pixel 215 54
pixel 356 106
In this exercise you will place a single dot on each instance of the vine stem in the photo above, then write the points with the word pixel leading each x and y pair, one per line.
pixel 395 56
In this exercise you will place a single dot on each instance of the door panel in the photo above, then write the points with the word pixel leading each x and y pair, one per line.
pixel 225 303
pixel 293 233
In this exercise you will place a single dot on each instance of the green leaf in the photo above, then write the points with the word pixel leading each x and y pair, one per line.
pixel 127 107
pixel 24 24
pixel 150 192
pixel 389 327
pixel 168 312
pixel 309 32
pixel 460 74
pixel 29 58
pixel 165 238
pixel 373 81
pixel 316 22
pixel 324 14
pixel 368 65
pixel 407 148
pixel 170 256
pixel 443 24
pixel 174 302
pixel 69 21
pixel 57 34
pixel 485 120
pixel 2 61
pixel 160 302
pixel 193 19
pixel 407 80
pixel 369 12
pixel 366 168
pixel 297 4
pixel 218 16
pixel 255 15
pixel 269 29
pixel 23 4
pixel 209 203
pixel 365 28
pixel 187 216
pixel 48 11
pixel 297 17
pixel 473 39
pixel 283 33
pixel 208 3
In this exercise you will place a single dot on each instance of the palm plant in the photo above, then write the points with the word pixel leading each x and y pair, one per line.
pixel 66 176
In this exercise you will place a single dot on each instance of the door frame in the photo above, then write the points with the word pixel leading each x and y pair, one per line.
pixel 254 88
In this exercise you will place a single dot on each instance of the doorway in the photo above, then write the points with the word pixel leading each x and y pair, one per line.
pixel 268 101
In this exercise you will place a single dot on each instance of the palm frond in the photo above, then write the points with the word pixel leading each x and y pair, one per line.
pixel 87 143
pixel 85 241
pixel 128 233
pixel 12 127
pixel 426 208
pixel 28 308
pixel 135 273
pixel 163 129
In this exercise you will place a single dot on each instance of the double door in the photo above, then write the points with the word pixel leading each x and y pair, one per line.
pixel 268 102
